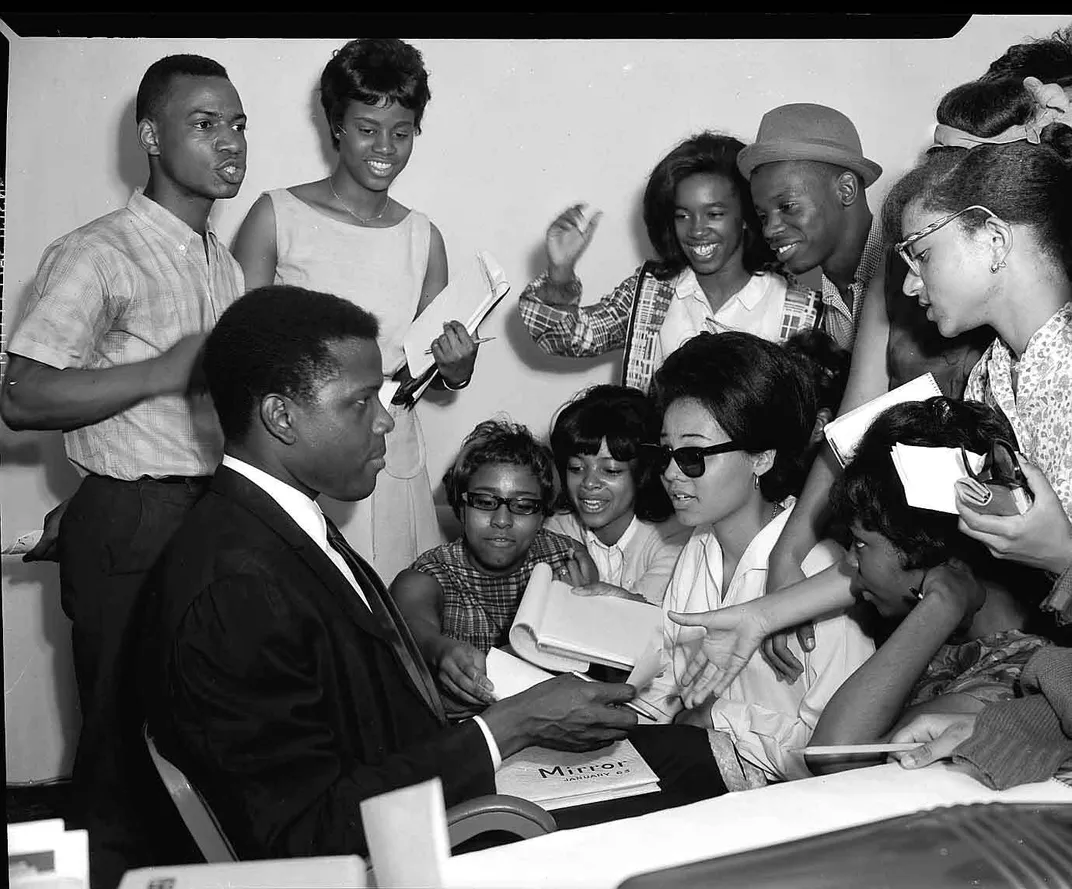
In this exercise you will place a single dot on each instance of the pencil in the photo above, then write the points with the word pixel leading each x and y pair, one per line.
pixel 479 341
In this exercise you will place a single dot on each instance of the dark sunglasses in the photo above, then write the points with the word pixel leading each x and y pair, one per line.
pixel 1000 466
pixel 491 502
pixel 691 461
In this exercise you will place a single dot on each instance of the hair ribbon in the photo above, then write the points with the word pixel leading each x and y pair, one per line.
pixel 1052 107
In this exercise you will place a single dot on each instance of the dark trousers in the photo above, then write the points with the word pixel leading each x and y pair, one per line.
pixel 681 757
pixel 111 535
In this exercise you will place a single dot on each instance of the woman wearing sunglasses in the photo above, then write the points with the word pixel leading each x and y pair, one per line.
pixel 460 598
pixel 738 422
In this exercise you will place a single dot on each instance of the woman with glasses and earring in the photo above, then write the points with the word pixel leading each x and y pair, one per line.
pixel 738 417
pixel 460 598
pixel 896 342
pixel 345 234
pixel 988 242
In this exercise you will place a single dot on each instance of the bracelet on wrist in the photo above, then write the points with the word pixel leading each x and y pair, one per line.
pixel 459 387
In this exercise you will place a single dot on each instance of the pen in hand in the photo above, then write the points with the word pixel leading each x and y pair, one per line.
pixel 479 341
pixel 628 704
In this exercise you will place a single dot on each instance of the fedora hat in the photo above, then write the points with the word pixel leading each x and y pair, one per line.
pixel 805 132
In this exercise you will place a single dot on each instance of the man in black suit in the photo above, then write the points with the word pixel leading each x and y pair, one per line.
pixel 276 671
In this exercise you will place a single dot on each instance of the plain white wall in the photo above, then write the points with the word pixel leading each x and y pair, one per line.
pixel 516 130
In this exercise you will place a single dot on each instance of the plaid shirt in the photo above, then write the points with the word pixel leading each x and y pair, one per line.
pixel 121 289
pixel 629 316
pixel 478 608
pixel 838 320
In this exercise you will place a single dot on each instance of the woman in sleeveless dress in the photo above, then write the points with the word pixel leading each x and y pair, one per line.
pixel 346 235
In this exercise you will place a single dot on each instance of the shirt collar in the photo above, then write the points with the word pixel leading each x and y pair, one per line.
pixel 622 542
pixel 1046 334
pixel 757 553
pixel 164 221
pixel 687 286
pixel 306 514
pixel 869 260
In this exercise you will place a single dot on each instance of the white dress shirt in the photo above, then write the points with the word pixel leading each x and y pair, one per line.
pixel 765 717
pixel 308 516
pixel 642 559
pixel 756 308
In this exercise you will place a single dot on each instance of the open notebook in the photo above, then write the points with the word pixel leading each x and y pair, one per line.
pixel 558 630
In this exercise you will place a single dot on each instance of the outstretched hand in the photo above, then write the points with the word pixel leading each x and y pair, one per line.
pixel 731 637
pixel 463 673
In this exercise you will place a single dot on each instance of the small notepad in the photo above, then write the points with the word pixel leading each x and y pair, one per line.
pixel 844 433
pixel 928 475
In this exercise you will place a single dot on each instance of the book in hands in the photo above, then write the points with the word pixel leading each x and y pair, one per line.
pixel 556 779
pixel 460 300
pixel 558 630
pixel 844 433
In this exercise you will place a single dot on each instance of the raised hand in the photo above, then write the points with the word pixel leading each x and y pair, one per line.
pixel 567 238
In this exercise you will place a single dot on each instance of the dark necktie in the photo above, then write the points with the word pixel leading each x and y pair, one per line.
pixel 394 627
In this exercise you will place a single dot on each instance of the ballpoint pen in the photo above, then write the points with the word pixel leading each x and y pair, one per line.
pixel 628 704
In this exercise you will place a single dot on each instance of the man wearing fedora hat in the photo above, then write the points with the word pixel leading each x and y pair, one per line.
pixel 808 175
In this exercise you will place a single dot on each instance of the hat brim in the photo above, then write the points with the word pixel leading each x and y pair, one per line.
pixel 756 155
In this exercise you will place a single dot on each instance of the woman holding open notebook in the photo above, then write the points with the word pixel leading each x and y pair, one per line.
pixel 346 235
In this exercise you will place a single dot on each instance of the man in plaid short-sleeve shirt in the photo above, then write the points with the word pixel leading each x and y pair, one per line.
pixel 107 352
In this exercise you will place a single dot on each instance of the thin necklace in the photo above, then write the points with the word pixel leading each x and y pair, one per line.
pixel 346 206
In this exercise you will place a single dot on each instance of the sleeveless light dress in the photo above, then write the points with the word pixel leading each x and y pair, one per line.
pixel 381 270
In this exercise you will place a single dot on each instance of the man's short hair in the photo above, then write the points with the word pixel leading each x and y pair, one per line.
pixel 500 441
pixel 156 81
pixel 276 339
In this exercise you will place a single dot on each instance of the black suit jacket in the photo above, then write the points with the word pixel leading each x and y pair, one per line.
pixel 269 682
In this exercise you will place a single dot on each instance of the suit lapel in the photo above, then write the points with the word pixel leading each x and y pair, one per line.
pixel 240 489
pixel 237 487
pixel 404 645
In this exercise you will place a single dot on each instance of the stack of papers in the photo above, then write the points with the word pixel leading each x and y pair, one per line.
pixel 556 779
pixel 558 630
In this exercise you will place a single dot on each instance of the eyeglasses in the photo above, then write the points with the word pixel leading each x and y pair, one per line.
pixel 913 261
pixel 1000 466
pixel 691 461
pixel 491 502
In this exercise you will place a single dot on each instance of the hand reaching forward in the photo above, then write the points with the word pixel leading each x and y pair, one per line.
pixel 731 636
pixel 463 673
